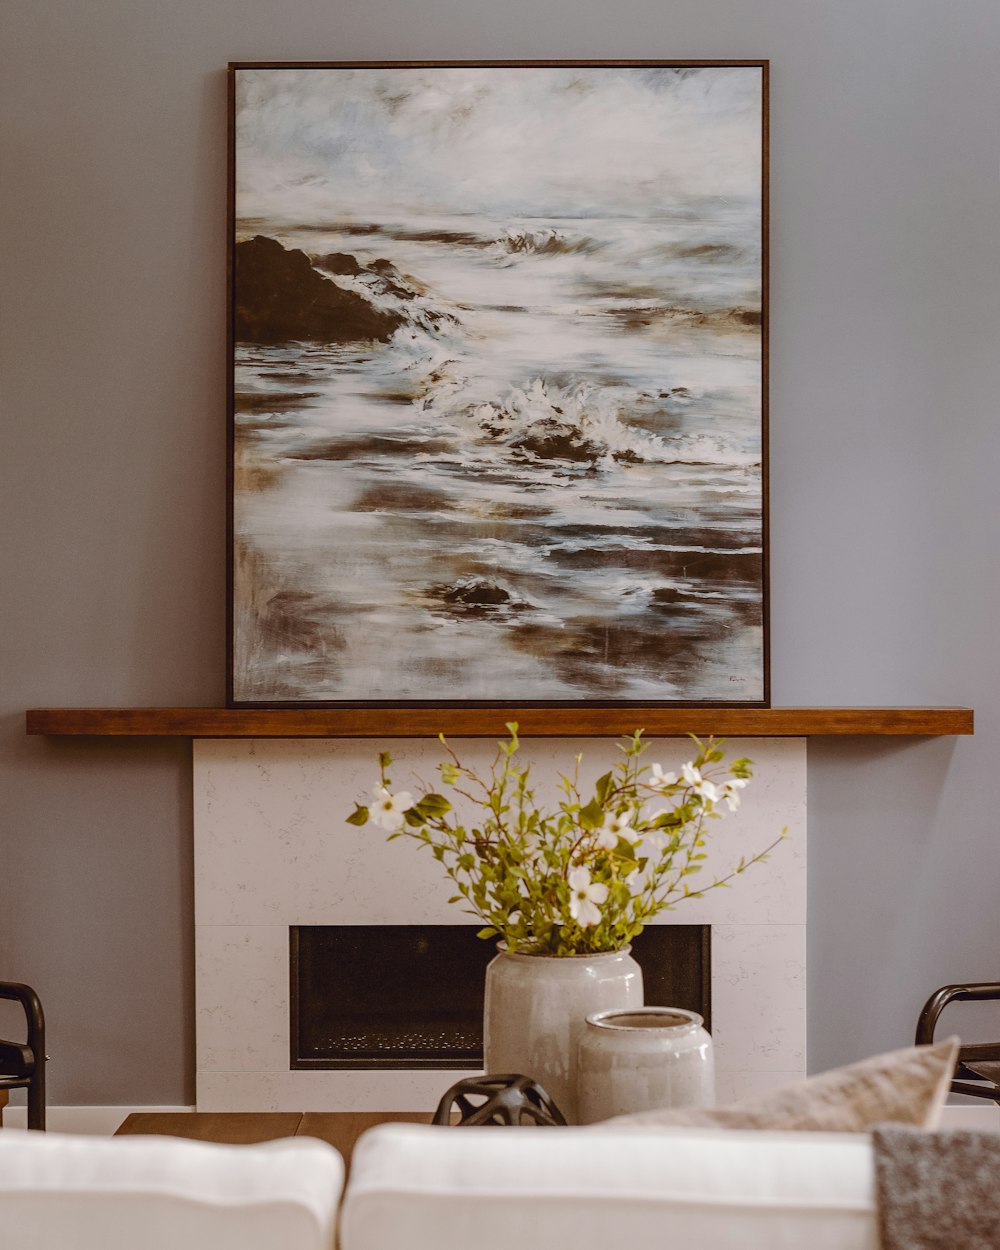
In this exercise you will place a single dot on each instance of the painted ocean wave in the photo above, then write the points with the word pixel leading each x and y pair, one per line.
pixel 386 289
pixel 580 423
pixel 550 468
pixel 541 241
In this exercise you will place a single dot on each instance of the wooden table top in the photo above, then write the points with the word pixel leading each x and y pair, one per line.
pixel 239 1128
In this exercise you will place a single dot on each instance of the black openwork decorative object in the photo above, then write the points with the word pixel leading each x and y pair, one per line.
pixel 507 1099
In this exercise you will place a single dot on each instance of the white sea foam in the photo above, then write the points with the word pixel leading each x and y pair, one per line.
pixel 580 422
pixel 541 241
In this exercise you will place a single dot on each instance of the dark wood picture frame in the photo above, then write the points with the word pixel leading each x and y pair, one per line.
pixel 304 615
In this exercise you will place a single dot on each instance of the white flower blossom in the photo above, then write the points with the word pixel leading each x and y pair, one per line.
pixel 585 898
pixel 708 792
pixel 659 780
pixel 387 810
pixel 691 774
pixel 730 791
pixel 613 828
pixel 703 788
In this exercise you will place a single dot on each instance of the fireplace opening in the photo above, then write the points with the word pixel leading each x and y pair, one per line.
pixel 411 996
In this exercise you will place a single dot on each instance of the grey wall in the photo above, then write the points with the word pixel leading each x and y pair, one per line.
pixel 885 447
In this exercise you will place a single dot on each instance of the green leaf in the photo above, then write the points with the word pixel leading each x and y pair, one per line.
pixel 603 787
pixel 666 819
pixel 449 774
pixel 359 816
pixel 488 932
pixel 431 806
pixel 592 815
pixel 384 759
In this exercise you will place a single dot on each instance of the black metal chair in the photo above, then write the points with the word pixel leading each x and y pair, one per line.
pixel 22 1066
pixel 979 1062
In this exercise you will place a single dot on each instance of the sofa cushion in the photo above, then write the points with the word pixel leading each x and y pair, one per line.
pixel 426 1188
pixel 902 1087
pixel 119 1193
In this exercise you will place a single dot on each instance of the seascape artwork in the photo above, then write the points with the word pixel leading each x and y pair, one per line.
pixel 498 345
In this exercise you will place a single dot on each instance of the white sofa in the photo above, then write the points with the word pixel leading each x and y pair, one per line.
pixel 416 1187
pixel 59 1192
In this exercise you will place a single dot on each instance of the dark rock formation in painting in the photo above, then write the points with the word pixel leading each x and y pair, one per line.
pixel 339 262
pixel 281 298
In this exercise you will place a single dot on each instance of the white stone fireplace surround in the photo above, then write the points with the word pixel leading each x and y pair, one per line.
pixel 272 849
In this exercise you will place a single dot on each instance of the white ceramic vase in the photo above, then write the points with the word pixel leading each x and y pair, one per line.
pixel 642 1059
pixel 536 1009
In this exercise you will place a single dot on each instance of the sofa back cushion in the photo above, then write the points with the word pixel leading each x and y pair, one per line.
pixel 427 1188
pixel 161 1193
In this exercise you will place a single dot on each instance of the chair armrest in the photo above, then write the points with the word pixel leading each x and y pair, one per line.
pixel 15 991
pixel 983 991
pixel 16 1060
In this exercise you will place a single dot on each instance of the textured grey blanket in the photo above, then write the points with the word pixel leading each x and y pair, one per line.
pixel 937 1191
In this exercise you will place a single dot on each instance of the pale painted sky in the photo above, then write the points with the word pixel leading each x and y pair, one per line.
pixel 317 145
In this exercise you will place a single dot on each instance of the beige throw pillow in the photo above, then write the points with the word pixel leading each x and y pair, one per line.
pixel 902 1087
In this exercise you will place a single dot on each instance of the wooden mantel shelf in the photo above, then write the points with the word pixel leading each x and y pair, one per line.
pixel 458 722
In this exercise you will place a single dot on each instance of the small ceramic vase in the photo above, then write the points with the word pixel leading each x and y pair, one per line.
pixel 641 1059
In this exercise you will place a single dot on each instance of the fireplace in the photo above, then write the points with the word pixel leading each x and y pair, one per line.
pixel 387 996
pixel 411 996
pixel 273 854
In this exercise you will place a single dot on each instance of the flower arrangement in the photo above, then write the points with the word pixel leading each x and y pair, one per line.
pixel 586 876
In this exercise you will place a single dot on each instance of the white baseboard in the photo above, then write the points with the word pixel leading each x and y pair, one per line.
pixel 89 1121
pixel 970 1115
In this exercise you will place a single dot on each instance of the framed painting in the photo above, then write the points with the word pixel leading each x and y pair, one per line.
pixel 498 390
